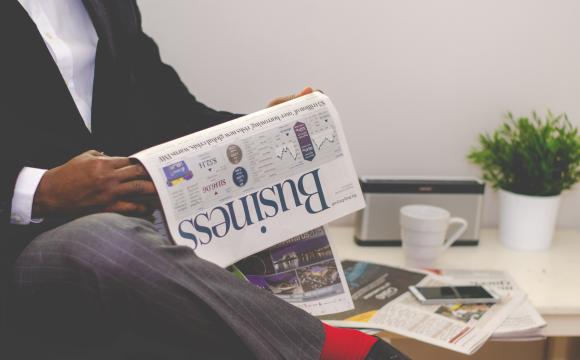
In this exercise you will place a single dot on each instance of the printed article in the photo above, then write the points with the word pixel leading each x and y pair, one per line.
pixel 243 186
pixel 302 271
pixel 373 286
pixel 525 321
pixel 462 328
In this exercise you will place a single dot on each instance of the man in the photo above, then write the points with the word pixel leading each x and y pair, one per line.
pixel 82 88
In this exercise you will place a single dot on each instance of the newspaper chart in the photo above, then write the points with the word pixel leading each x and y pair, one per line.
pixel 238 188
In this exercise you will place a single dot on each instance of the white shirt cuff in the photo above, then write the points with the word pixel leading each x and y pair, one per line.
pixel 24 191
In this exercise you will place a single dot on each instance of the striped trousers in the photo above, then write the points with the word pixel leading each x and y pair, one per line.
pixel 91 281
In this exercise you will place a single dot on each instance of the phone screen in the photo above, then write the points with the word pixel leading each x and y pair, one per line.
pixel 454 292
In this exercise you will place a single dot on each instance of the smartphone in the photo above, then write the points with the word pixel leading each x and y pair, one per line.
pixel 430 295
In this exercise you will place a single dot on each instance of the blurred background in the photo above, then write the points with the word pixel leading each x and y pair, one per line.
pixel 415 81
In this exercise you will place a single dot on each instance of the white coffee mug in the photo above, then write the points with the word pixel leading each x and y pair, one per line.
pixel 423 233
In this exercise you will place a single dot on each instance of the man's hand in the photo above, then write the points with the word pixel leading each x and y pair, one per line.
pixel 93 182
pixel 283 99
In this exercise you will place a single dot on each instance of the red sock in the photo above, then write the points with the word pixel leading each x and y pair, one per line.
pixel 347 344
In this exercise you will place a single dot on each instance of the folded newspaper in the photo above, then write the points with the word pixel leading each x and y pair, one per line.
pixel 239 188
pixel 302 271
pixel 382 301
pixel 524 322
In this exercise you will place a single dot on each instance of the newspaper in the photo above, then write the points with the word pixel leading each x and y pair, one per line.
pixel 373 286
pixel 462 328
pixel 302 271
pixel 525 321
pixel 238 188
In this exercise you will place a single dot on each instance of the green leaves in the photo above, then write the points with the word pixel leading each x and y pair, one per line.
pixel 531 157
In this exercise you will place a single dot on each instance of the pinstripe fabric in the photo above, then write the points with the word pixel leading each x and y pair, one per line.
pixel 104 273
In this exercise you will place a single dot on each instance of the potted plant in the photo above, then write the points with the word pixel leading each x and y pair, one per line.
pixel 530 161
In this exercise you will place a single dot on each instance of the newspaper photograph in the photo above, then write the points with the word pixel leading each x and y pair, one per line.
pixel 238 188
pixel 458 327
pixel 301 271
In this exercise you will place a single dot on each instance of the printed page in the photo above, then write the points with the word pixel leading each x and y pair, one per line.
pixel 301 271
pixel 459 327
pixel 372 286
pixel 524 320
pixel 241 187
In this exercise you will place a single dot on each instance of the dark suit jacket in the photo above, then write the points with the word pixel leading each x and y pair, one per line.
pixel 138 102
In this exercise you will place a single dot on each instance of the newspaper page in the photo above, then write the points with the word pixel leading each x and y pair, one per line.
pixel 238 188
pixel 301 271
pixel 372 286
pixel 459 327
pixel 525 321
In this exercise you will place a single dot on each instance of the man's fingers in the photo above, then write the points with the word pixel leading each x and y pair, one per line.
pixel 118 162
pixel 151 200
pixel 135 187
pixel 306 91
pixel 127 207
pixel 93 153
pixel 283 99
pixel 115 161
pixel 132 172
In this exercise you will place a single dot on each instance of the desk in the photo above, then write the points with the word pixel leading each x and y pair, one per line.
pixel 550 278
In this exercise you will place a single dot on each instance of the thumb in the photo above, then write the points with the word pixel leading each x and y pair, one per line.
pixel 306 91
pixel 283 99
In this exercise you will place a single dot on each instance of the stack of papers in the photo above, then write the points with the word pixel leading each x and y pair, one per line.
pixel 524 323
pixel 382 301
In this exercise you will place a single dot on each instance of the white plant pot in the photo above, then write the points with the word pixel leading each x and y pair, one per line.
pixel 527 222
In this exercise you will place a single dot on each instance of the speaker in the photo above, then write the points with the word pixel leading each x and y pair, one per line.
pixel 378 223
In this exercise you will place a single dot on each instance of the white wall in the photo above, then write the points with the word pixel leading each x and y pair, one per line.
pixel 415 81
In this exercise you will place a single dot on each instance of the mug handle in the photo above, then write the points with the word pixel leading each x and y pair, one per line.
pixel 453 238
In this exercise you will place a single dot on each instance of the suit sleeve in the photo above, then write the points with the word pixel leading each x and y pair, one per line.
pixel 14 149
pixel 12 161
pixel 164 88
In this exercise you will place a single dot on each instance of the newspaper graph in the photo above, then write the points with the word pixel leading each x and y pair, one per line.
pixel 319 134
